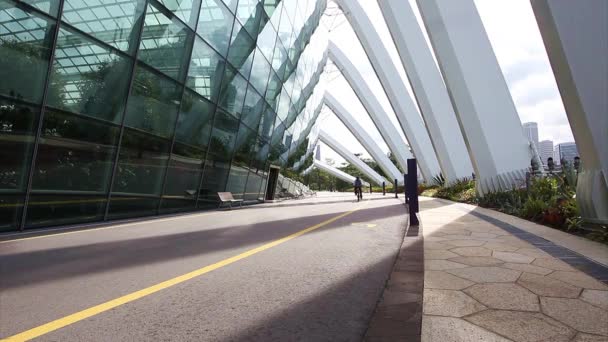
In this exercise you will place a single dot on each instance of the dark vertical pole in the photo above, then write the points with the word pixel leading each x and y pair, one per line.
pixel 396 188
pixel 370 188
pixel 412 191
pixel 383 189
pixel 405 189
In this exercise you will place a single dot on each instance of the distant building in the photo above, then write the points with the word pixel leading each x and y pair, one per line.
pixel 566 151
pixel 531 132
pixel 545 149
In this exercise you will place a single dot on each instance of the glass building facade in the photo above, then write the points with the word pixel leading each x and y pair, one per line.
pixel 120 108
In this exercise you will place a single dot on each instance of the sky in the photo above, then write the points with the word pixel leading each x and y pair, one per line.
pixel 515 38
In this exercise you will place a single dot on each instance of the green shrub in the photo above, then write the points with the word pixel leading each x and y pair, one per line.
pixel 533 209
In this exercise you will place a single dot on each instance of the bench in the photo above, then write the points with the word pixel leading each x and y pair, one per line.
pixel 226 197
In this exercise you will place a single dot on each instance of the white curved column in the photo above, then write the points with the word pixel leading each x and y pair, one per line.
pixel 405 109
pixel 378 115
pixel 484 107
pixel 351 158
pixel 362 136
pixel 578 65
pixel 337 173
pixel 431 93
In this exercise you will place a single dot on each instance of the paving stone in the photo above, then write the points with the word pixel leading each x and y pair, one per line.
pixel 434 238
pixel 491 274
pixel 464 243
pixel 522 326
pixel 455 232
pixel 477 261
pixel 449 303
pixel 472 251
pixel 580 315
pixel 500 246
pixel 579 279
pixel 457 237
pixel 581 337
pixel 595 297
pixel 483 235
pixel 440 265
pixel 444 280
pixel 552 263
pixel 436 245
pixel 545 286
pixel 504 296
pixel 534 252
pixel 513 257
pixel 439 254
pixel 527 268
pixel 450 329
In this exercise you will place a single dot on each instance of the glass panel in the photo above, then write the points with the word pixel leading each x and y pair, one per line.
pixel 252 109
pixel 25 50
pixel 17 129
pixel 141 164
pixel 233 95
pixel 164 43
pixel 250 13
pixel 267 123
pixel 244 147
pixel 252 188
pixel 231 4
pixel 195 120
pixel 240 54
pixel 153 103
pixel 122 206
pixel 48 210
pixel 237 180
pixel 115 22
pixel 88 79
pixel 186 10
pixel 259 72
pixel 48 6
pixel 74 153
pixel 225 128
pixel 215 24
pixel 206 70
pixel 183 177
pixel 11 207
pixel 214 181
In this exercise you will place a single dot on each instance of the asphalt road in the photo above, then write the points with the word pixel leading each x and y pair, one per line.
pixel 319 286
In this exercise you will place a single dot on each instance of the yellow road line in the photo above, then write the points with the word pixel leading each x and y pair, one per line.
pixel 95 310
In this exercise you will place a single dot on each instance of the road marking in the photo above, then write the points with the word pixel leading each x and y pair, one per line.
pixel 95 310
pixel 363 224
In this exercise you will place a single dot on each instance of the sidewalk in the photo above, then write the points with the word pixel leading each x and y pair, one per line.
pixel 483 283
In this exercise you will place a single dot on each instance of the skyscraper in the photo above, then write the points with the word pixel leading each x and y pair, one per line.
pixel 531 132
pixel 545 150
pixel 566 151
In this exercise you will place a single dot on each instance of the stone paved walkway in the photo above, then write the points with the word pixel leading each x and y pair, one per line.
pixel 481 283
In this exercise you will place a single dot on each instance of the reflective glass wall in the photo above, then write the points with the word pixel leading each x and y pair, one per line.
pixel 120 108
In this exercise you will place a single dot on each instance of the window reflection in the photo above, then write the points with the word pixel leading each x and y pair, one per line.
pixel 25 51
pixel 215 24
pixel 206 70
pixel 114 22
pixel 164 43
pixel 195 121
pixel 186 10
pixel 87 78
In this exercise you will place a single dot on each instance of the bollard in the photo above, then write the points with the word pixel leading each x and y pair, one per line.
pixel 383 189
pixel 405 193
pixel 396 188
pixel 412 190
pixel 370 188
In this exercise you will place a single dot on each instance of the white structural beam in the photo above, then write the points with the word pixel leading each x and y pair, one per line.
pixel 429 89
pixel 378 115
pixel 407 113
pixel 486 113
pixel 351 158
pixel 336 173
pixel 576 38
pixel 362 136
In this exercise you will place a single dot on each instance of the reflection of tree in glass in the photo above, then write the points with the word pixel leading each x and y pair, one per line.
pixel 16 122
pixel 25 66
